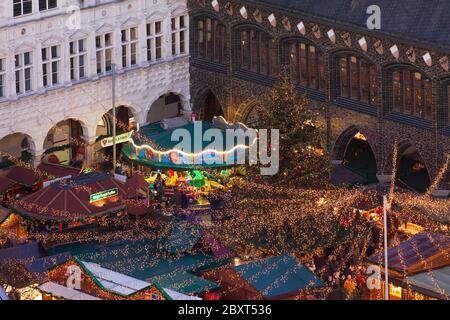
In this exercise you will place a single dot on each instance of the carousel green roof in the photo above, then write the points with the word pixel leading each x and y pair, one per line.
pixel 153 146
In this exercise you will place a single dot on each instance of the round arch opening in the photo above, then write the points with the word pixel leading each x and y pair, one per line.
pixel 65 144
pixel 168 105
pixel 412 171
pixel 16 146
pixel 210 108
pixel 359 157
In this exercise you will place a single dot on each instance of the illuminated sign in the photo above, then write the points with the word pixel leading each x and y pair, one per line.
pixel 121 138
pixel 104 195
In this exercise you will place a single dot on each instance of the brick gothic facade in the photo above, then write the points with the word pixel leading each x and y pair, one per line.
pixel 342 117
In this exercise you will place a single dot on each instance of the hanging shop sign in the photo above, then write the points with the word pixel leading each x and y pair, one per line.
pixel 121 138
pixel 103 195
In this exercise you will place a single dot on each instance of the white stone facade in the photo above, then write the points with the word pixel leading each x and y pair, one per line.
pixel 35 112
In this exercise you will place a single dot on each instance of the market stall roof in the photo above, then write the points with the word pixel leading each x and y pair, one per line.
pixel 184 282
pixel 182 238
pixel 4 213
pixel 415 255
pixel 71 198
pixel 137 209
pixel 5 184
pixel 115 281
pixel 21 252
pixel 179 296
pixel 3 295
pixel 157 153
pixel 137 258
pixel 24 176
pixel 57 171
pixel 435 283
pixel 218 249
pixel 58 290
pixel 277 276
pixel 136 182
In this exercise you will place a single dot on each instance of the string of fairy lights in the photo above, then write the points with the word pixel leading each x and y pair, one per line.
pixel 255 208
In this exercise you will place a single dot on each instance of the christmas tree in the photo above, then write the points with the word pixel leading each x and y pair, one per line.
pixel 303 161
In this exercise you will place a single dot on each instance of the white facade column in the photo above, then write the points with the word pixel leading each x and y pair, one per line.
pixel 11 75
pixel 37 157
pixel 91 55
pixel 142 42
pixel 38 82
pixel 65 63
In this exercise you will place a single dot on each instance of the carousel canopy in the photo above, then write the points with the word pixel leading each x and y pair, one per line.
pixel 87 195
pixel 153 146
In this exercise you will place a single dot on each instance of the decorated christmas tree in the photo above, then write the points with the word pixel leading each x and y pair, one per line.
pixel 303 161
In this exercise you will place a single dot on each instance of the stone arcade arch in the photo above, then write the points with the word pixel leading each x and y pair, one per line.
pixel 125 122
pixel 16 146
pixel 412 172
pixel 354 150
pixel 65 143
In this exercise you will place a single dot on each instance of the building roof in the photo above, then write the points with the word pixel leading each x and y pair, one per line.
pixel 427 21
pixel 60 291
pixel 184 282
pixel 23 176
pixel 21 252
pixel 415 254
pixel 5 184
pixel 70 199
pixel 58 171
pixel 277 276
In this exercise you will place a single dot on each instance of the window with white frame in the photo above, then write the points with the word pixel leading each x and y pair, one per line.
pixel 22 7
pixel 154 40
pixel 51 65
pixel 129 47
pixel 2 77
pixel 104 48
pixel 23 68
pixel 179 33
pixel 78 58
pixel 47 4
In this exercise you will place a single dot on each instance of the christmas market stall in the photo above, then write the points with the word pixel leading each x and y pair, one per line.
pixel 74 201
pixel 274 278
pixel 413 265
pixel 23 267
pixel 87 278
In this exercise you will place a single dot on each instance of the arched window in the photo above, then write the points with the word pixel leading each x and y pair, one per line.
pixel 411 92
pixel 210 39
pixel 306 63
pixel 357 78
pixel 255 51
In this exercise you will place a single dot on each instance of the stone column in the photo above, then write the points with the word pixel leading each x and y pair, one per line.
pixel 90 150
pixel 37 157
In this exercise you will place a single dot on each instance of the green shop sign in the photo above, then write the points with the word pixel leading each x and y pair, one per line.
pixel 121 138
pixel 103 195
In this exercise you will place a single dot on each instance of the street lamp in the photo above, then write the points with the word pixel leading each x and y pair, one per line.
pixel 386 277
pixel 113 69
